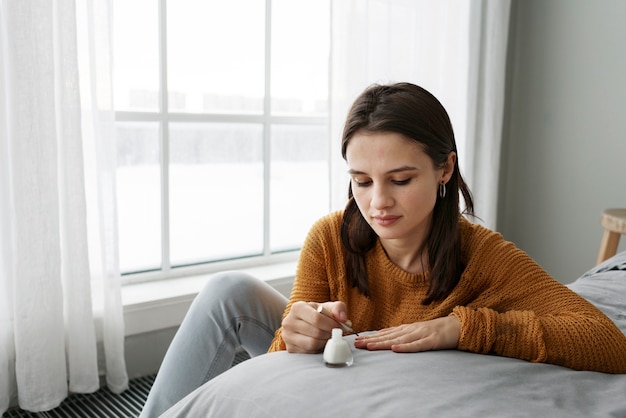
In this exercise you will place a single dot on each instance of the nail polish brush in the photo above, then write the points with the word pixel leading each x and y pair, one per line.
pixel 347 326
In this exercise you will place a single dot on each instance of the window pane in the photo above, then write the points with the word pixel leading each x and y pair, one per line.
pixel 216 191
pixel 300 51
pixel 299 183
pixel 136 61
pixel 216 55
pixel 139 196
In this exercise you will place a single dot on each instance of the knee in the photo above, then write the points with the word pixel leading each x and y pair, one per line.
pixel 230 284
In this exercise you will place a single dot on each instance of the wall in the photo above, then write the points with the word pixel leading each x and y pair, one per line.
pixel 564 158
pixel 144 352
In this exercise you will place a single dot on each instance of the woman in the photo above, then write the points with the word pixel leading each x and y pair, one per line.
pixel 400 259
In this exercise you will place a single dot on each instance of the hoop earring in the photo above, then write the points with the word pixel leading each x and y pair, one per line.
pixel 442 190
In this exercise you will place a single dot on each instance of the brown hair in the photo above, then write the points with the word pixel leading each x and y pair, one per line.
pixel 412 111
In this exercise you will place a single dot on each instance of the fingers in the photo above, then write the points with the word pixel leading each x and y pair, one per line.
pixel 298 343
pixel 345 325
pixel 338 310
pixel 386 339
pixel 437 334
pixel 305 330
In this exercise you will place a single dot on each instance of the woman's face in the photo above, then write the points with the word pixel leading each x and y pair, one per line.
pixel 394 184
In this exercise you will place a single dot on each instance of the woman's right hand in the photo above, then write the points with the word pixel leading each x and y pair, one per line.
pixel 305 330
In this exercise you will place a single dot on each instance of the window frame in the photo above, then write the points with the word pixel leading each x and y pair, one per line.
pixel 163 117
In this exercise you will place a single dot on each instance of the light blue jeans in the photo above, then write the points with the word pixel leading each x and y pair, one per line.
pixel 233 311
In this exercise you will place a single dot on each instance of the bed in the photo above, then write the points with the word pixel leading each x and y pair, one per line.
pixel 432 384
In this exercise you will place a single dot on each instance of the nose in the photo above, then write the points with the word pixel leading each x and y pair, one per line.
pixel 381 197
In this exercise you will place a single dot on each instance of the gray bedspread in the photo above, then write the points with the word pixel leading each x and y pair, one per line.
pixel 432 384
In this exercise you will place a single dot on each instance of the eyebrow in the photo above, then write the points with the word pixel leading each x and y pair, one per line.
pixel 395 170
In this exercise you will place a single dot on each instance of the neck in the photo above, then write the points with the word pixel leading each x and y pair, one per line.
pixel 408 258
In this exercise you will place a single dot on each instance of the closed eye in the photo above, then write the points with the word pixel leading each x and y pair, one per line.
pixel 362 183
pixel 366 183
pixel 401 182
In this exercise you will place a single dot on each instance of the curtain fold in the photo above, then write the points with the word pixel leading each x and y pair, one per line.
pixel 489 33
pixel 48 274
pixel 96 86
pixel 7 346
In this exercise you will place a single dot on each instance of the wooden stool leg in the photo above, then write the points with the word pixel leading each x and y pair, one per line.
pixel 608 246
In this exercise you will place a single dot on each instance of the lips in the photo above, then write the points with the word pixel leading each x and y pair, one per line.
pixel 385 220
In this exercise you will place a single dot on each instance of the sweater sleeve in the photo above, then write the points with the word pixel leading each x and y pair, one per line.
pixel 524 313
pixel 572 339
pixel 311 281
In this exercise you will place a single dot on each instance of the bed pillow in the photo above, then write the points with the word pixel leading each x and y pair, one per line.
pixel 605 287
pixel 446 383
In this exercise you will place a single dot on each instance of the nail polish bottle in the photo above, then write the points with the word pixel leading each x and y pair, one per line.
pixel 337 352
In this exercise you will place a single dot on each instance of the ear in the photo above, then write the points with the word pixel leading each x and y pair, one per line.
pixel 448 167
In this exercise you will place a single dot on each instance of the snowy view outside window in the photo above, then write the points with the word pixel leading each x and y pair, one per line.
pixel 222 129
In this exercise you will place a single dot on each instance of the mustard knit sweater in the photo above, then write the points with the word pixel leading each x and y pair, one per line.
pixel 506 303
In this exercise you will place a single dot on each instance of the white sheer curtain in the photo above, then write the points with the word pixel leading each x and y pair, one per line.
pixel 489 33
pixel 55 139
pixel 445 46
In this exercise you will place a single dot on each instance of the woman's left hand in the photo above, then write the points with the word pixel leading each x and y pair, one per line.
pixel 437 334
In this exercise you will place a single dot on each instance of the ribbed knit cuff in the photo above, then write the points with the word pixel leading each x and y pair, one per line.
pixel 476 329
pixel 515 334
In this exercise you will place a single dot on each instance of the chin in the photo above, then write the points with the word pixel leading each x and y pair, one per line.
pixel 385 233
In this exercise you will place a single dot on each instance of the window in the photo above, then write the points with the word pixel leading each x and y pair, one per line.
pixel 222 129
